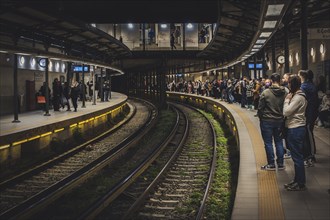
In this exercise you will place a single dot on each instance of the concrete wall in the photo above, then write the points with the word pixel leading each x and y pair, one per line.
pixel 25 72
pixel 319 63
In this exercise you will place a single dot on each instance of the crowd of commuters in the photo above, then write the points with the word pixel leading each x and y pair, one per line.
pixel 244 91
pixel 288 109
pixel 62 94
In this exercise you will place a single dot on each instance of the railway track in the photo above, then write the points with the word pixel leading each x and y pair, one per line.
pixel 184 173
pixel 23 195
pixel 146 174
pixel 182 193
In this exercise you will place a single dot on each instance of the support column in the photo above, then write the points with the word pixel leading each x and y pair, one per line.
pixel 115 30
pixel 83 87
pixel 183 36
pixel 255 66
pixel 144 36
pixel 154 85
pixel 286 49
pixel 68 75
pixel 16 104
pixel 101 85
pixel 149 84
pixel 94 81
pixel 273 56
pixel 47 86
pixel 110 87
pixel 303 35
pixel 263 63
pixel 140 84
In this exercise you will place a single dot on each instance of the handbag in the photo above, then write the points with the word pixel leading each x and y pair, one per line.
pixel 41 99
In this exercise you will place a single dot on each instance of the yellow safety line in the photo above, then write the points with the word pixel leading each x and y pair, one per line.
pixel 270 205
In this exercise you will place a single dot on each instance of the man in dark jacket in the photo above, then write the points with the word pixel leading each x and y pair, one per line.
pixel 270 112
pixel 311 113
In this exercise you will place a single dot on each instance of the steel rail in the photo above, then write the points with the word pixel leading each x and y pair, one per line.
pixel 142 197
pixel 45 197
pixel 115 191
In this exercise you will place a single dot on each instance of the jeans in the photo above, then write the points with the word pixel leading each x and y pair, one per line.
pixel 296 137
pixel 270 130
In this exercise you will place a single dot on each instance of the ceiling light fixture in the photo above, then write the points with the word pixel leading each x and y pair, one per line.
pixel 163 25
pixel 261 41
pixel 269 24
pixel 274 10
pixel 265 34
pixel 312 52
pixel 322 49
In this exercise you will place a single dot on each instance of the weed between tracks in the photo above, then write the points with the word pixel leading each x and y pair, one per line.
pixel 221 198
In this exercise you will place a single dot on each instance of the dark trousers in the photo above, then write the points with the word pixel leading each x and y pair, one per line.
pixel 74 102
pixel 296 144
pixel 309 143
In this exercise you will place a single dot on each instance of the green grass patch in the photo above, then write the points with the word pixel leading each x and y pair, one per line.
pixel 221 198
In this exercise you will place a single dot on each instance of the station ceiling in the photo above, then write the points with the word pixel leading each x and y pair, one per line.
pixel 130 11
pixel 238 21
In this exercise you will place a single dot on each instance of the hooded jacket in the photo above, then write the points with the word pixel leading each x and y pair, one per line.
pixel 312 101
pixel 294 110
pixel 271 103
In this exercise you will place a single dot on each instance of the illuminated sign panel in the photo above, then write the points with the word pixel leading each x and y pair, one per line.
pixel 79 68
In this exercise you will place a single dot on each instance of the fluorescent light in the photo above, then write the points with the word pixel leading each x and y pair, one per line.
pixel 265 34
pixel 297 57
pixel 189 26
pixel 254 49
pixel 21 60
pixel 33 62
pixel 23 54
pixel 274 10
pixel 261 41
pixel 257 46
pixel 322 49
pixel 130 25
pixel 163 25
pixel 269 24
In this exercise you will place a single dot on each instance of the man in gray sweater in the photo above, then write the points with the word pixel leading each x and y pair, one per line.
pixel 270 112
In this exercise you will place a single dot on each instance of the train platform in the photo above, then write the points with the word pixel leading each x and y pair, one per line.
pixel 34 122
pixel 261 194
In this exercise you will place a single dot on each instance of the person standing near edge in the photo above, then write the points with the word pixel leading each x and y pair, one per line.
pixel 295 105
pixel 311 113
pixel 270 113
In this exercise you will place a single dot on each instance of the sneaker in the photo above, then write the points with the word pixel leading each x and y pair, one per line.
pixel 268 167
pixel 289 184
pixel 308 163
pixel 296 187
pixel 280 167
pixel 287 155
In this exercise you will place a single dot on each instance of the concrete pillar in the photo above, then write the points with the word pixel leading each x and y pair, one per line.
pixel 303 35
pixel 16 104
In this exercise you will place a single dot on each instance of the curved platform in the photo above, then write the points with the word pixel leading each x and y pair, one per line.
pixel 35 131
pixel 36 119
pixel 260 194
